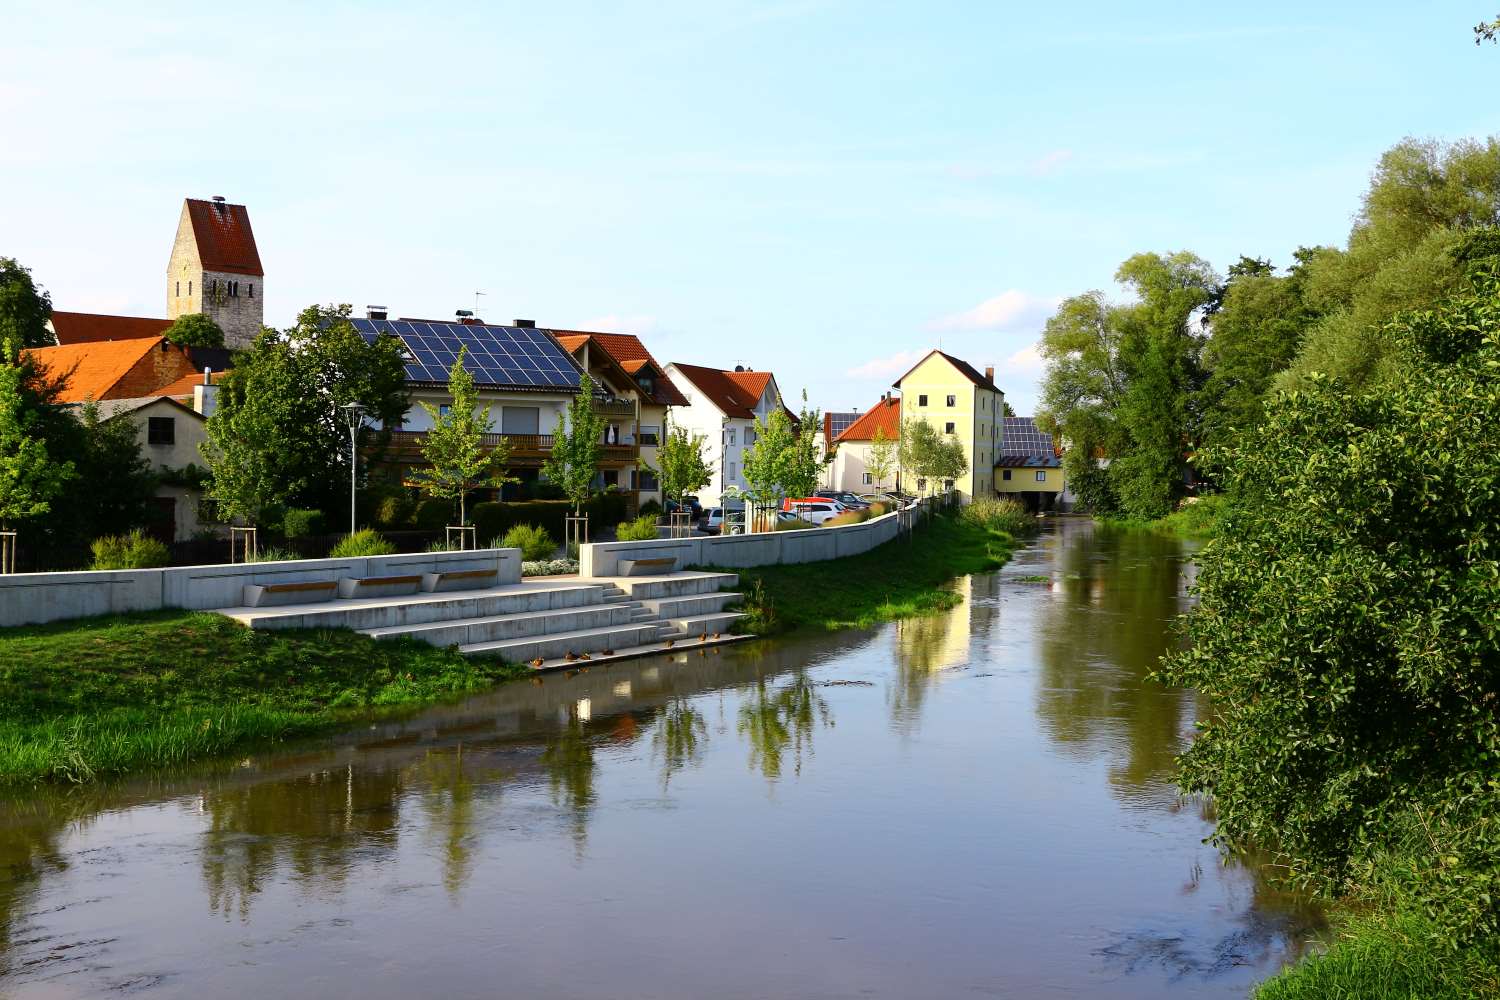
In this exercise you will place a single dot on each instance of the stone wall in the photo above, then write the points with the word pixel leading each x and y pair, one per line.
pixel 238 306
pixel 34 598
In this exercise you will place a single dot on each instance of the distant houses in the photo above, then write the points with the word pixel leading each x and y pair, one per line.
pixel 1030 466
pixel 724 406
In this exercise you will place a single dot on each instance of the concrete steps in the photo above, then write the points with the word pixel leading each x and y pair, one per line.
pixel 365 614
pixel 633 652
pixel 559 645
pixel 683 607
pixel 469 631
pixel 696 625
pixel 644 588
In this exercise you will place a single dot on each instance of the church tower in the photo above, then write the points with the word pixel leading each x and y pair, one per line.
pixel 215 269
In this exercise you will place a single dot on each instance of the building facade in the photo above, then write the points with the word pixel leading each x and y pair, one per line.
pixel 850 468
pixel 215 269
pixel 952 396
pixel 1029 467
pixel 724 407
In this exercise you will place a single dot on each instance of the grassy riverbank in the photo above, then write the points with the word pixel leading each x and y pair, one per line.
pixel 900 579
pixel 1194 520
pixel 81 700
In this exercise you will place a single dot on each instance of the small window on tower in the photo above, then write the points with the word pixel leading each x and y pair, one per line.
pixel 252 289
pixel 190 288
pixel 177 289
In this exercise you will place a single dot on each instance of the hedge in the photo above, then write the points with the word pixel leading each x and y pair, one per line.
pixel 493 519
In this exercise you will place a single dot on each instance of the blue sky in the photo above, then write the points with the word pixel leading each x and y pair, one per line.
pixel 824 189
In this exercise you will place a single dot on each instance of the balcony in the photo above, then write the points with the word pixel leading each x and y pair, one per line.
pixel 613 407
pixel 525 449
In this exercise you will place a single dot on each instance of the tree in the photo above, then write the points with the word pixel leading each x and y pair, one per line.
pixel 29 477
pixel 24 308
pixel 194 330
pixel 457 461
pixel 121 482
pixel 803 468
pixel 683 468
pixel 276 438
pixel 577 444
pixel 1346 625
pixel 768 460
pixel 881 458
pixel 929 455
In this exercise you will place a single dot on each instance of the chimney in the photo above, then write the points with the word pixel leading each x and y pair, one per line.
pixel 208 373
pixel 376 312
pixel 739 368
pixel 989 374
pixel 524 324
pixel 219 198
pixel 204 395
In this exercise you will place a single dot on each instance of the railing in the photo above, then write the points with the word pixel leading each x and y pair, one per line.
pixel 615 407
pixel 520 444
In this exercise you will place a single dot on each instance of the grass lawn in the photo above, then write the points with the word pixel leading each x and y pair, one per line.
pixel 899 579
pixel 97 697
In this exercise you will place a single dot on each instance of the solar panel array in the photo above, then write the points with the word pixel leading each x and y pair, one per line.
pixel 1020 437
pixel 495 355
pixel 838 423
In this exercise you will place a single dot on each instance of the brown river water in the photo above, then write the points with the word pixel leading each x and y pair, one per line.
pixel 977 804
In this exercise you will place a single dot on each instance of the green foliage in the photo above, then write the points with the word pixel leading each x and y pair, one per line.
pixel 1003 514
pixel 194 330
pixel 492 519
pixel 534 542
pixel 882 458
pixel 393 508
pixel 299 523
pixel 277 438
pixel 133 551
pixel 364 542
pixel 29 477
pixel 642 529
pixel 457 460
pixel 767 462
pixel 577 444
pixel 24 309
pixel 929 455
pixel 433 514
pixel 1349 626
pixel 88 699
pixel 650 507
pixel 684 470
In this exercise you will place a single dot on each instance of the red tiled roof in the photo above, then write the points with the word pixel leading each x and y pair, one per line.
pixel 630 354
pixel 184 386
pixel 964 368
pixel 753 383
pixel 93 369
pixel 729 395
pixel 87 328
pixel 884 415
pixel 225 239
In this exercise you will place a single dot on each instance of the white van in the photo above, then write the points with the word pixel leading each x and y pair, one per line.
pixel 817 513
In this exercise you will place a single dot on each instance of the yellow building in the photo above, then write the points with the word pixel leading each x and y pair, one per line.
pixel 956 400
pixel 1029 468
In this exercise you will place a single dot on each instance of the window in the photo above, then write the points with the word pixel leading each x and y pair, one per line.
pixel 749 436
pixel 177 288
pixel 520 420
pixel 647 384
pixel 1005 475
pixel 947 485
pixel 252 289
pixel 869 479
pixel 952 400
pixel 190 288
pixel 921 484
pixel 234 289
pixel 729 436
pixel 734 470
pixel 922 400
pixel 161 430
pixel 444 409
pixel 1041 476
pixel 649 434
pixel 948 427
pixel 647 480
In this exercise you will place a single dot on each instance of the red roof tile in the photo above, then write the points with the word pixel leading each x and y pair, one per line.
pixel 225 239
pixel 884 415
pixel 85 328
pixel 630 354
pixel 184 386
pixel 729 395
pixel 93 369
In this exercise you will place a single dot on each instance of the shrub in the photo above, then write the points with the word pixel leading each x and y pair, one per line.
pixel 794 525
pixel 273 554
pixel 302 523
pixel 534 542
pixel 365 542
pixel 393 509
pixel 433 514
pixel 880 507
pixel 492 519
pixel 642 529
pixel 847 517
pixel 549 567
pixel 650 507
pixel 1003 514
pixel 132 551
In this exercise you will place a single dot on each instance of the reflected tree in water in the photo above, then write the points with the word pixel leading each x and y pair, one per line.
pixel 317 826
pixel 451 789
pixel 678 735
pixel 781 722
pixel 1100 638
pixel 30 852
pixel 569 761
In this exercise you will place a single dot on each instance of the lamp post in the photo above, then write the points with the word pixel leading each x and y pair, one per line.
pixel 353 417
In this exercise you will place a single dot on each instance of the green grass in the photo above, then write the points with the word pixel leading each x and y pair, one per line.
pixel 900 579
pixel 1387 957
pixel 1194 520
pixel 87 699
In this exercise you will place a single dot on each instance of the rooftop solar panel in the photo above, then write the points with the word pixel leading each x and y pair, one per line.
pixel 495 355
pixel 1020 436
pixel 838 422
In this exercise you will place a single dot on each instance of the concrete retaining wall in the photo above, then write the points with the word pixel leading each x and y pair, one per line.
pixel 33 598
pixel 602 559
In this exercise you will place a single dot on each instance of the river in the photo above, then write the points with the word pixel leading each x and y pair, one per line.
pixel 973 804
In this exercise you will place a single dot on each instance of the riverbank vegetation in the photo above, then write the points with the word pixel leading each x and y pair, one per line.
pixel 1194 518
pixel 900 579
pixel 89 699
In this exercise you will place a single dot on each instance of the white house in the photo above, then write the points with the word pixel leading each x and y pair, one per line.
pixel 849 470
pixel 724 406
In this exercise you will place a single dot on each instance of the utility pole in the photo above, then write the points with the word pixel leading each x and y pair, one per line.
pixel 353 416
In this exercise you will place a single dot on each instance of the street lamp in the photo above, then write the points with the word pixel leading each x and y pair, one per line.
pixel 353 417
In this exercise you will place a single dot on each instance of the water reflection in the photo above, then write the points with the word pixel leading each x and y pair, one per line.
pixel 678 735
pixel 779 722
pixel 927 648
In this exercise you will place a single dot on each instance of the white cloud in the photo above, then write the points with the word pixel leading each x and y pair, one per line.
pixel 1008 310
pixel 1026 361
pixel 1051 163
pixel 891 367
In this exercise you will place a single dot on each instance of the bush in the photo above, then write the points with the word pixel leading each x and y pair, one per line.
pixel 642 529
pixel 534 542
pixel 393 508
pixel 1346 630
pixel 433 514
pixel 847 517
pixel 650 507
pixel 549 567
pixel 273 554
pixel 1003 514
pixel 796 524
pixel 132 551
pixel 364 542
pixel 607 508
pixel 302 523
pixel 493 520
pixel 880 508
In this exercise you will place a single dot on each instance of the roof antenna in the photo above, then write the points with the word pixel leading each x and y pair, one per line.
pixel 476 302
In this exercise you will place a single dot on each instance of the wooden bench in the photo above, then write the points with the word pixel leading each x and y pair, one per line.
pixel 648 567
pixel 461 579
pixel 271 594
pixel 379 586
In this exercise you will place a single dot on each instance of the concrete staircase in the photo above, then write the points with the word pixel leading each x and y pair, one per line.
pixel 546 622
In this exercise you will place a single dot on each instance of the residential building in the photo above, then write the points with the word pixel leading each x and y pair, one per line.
pixel 835 422
pixel 71 328
pixel 850 470
pixel 622 363
pixel 215 269
pixel 1029 467
pixel 525 380
pixel 724 406
pixel 170 435
pixel 116 369
pixel 950 394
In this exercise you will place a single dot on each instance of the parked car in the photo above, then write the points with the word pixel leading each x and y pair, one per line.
pixel 816 511
pixel 849 500
pixel 790 502
pixel 717 518
pixel 689 504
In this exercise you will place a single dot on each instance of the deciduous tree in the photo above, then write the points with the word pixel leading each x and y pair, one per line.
pixel 457 460
pixel 24 308
pixel 194 330
pixel 29 477
pixel 577 444
pixel 683 468
pixel 882 457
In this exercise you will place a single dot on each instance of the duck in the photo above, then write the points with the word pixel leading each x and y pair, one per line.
pixel 571 656
pixel 584 656
pixel 608 652
pixel 537 662
pixel 669 643
pixel 716 635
